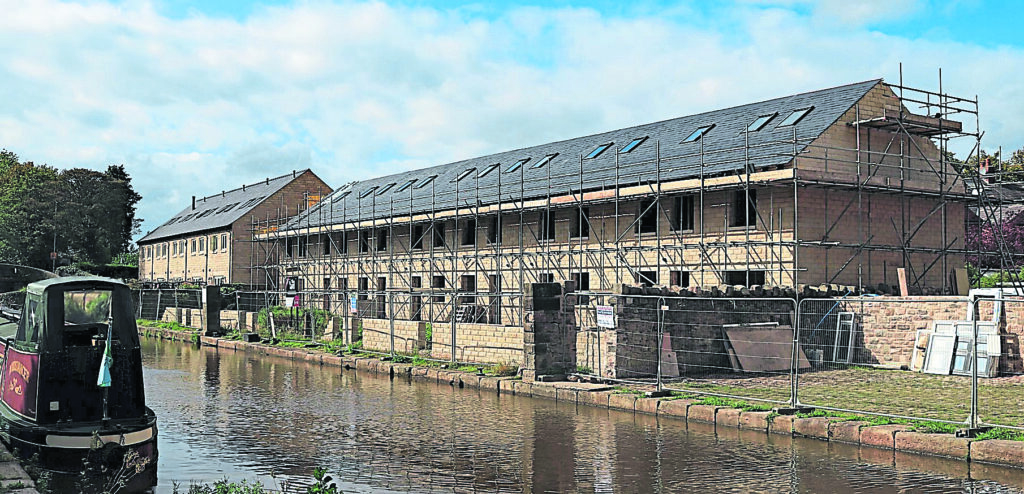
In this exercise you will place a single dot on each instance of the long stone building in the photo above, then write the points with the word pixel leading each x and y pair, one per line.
pixel 844 185
pixel 209 242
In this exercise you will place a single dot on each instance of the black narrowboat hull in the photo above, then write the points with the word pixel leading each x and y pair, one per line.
pixel 75 448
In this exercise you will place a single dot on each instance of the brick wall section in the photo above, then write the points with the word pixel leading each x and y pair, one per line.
pixel 478 343
pixel 410 336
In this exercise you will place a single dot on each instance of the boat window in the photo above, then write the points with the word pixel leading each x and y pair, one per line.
pixel 28 330
pixel 85 316
pixel 86 307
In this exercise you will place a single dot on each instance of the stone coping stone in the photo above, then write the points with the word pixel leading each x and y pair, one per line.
pixel 881 436
pixel 945 445
pixel 622 401
pixel 674 408
pixel 754 420
pixel 647 405
pixel 490 383
pixel 782 424
pixel 593 398
pixel 702 413
pixel 728 417
pixel 544 390
pixel 566 394
pixel 816 427
pixel 999 451
pixel 845 431
pixel 520 388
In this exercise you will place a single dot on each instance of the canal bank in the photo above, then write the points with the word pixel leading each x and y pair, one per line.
pixel 887 440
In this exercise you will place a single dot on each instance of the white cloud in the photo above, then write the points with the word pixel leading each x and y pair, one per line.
pixel 354 90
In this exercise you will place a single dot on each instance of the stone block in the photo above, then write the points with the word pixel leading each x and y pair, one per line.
pixel 998 451
pixel 490 384
pixel 647 405
pixel 728 417
pixel 845 431
pixel 593 398
pixel 754 420
pixel 782 424
pixel 816 427
pixel 566 395
pixel 543 390
pixel 702 413
pixel 881 436
pixel 520 388
pixel 946 445
pixel 622 401
pixel 674 408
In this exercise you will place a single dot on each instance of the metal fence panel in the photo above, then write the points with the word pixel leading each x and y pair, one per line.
pixel 1000 399
pixel 735 347
pixel 866 355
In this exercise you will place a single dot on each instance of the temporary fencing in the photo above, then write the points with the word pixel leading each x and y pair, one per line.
pixel 733 347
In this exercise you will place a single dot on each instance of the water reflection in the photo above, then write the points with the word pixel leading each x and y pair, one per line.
pixel 227 414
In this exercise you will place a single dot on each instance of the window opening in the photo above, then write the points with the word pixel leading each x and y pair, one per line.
pixel 386 188
pixel 464 174
pixel 744 216
pixel 581 226
pixel 683 218
pixel 699 133
pixel 760 122
pixel 487 170
pixel 545 160
pixel 426 181
pixel 597 151
pixel 635 143
pixel 795 117
pixel 517 165
pixel 648 222
pixel 406 185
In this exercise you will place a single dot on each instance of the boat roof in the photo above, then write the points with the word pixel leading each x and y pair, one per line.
pixel 40 286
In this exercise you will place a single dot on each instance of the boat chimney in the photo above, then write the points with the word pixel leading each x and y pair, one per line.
pixel 193 203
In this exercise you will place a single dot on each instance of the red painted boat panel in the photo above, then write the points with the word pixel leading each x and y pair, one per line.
pixel 21 383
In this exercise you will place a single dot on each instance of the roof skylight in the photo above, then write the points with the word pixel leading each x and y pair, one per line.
pixel 699 133
pixel 342 195
pixel 406 185
pixel 367 192
pixel 386 188
pixel 489 169
pixel 597 151
pixel 795 117
pixel 517 165
pixel 761 121
pixel 464 174
pixel 543 161
pixel 426 181
pixel 635 143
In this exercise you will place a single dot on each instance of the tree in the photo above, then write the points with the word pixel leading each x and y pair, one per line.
pixel 91 213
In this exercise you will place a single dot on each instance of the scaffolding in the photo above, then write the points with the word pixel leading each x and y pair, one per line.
pixel 835 214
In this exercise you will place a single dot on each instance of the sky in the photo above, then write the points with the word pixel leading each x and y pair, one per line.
pixel 195 97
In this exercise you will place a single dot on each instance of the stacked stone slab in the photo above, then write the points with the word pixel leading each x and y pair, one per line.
pixel 549 332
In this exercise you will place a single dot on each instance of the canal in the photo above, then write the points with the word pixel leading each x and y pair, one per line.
pixel 234 415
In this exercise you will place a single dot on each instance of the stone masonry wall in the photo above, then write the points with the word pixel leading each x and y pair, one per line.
pixel 482 343
pixel 694 326
pixel 410 336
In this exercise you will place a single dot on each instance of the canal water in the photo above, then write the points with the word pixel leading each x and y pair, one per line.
pixel 233 415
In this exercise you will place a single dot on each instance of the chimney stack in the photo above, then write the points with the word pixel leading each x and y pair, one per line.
pixel 193 203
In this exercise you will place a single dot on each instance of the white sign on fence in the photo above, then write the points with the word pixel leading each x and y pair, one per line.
pixel 605 317
pixel 353 305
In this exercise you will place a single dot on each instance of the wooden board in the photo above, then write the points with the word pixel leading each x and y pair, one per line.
pixel 764 348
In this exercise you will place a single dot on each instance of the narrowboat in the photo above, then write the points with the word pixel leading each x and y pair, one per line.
pixel 72 396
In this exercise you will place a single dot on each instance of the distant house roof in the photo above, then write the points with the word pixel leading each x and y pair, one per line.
pixel 220 210
pixel 760 134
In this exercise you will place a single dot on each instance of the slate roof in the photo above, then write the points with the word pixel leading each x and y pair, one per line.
pixel 724 150
pixel 219 211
